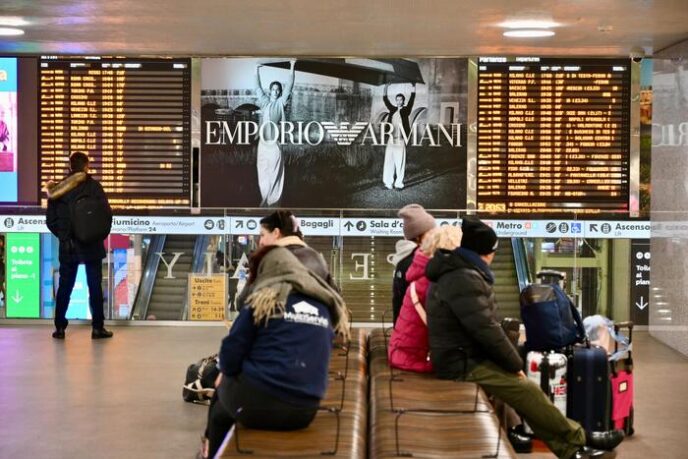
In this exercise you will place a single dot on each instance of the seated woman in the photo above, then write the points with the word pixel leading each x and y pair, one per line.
pixel 281 228
pixel 274 362
pixel 408 346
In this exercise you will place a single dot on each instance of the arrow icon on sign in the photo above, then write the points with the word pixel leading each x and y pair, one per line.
pixel 642 305
pixel 239 224
pixel 348 226
pixel 593 227
pixel 17 297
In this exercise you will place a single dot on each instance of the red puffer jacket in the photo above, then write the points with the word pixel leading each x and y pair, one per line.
pixel 408 346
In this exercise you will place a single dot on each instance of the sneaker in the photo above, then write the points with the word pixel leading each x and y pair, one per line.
pixel 389 187
pixel 399 187
pixel 100 333
pixel 59 333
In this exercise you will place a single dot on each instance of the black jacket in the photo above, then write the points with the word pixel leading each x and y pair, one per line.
pixel 58 217
pixel 400 284
pixel 462 322
pixel 404 111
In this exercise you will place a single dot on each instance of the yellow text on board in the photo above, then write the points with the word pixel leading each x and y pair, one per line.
pixel 207 296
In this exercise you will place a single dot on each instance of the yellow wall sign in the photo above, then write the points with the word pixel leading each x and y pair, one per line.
pixel 207 296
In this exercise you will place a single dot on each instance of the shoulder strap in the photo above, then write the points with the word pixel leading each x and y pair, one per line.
pixel 580 328
pixel 417 304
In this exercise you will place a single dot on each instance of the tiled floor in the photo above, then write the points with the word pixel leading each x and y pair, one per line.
pixel 121 398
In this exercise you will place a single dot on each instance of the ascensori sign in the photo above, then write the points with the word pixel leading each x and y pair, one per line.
pixel 364 226
pixel 344 133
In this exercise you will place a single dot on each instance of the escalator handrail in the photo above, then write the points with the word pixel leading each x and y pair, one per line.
pixel 197 262
pixel 521 263
pixel 145 290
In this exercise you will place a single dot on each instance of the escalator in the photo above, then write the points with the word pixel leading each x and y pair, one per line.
pixel 511 275
pixel 163 291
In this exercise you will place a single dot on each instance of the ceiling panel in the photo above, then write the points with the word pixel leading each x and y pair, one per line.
pixel 351 27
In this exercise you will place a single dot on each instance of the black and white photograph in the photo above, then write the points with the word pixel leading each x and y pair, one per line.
pixel 345 133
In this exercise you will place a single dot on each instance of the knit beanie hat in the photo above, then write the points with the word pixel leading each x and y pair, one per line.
pixel 416 221
pixel 477 236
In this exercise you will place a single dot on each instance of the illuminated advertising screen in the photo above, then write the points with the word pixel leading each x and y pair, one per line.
pixel 8 130
pixel 333 133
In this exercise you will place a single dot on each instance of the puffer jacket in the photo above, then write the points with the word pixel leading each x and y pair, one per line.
pixel 462 321
pixel 408 346
pixel 402 259
pixel 58 219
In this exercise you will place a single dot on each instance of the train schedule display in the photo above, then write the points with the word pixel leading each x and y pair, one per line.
pixel 131 116
pixel 553 135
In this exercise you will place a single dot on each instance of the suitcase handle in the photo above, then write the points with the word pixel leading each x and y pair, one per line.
pixel 617 327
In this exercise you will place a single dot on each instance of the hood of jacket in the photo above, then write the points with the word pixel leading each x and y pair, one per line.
pixel 55 190
pixel 403 248
pixel 445 261
pixel 418 265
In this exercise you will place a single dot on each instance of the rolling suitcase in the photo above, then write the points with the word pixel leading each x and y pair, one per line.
pixel 589 388
pixel 622 382
pixel 548 370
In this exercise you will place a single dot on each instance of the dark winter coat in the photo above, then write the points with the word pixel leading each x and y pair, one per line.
pixel 58 217
pixel 462 320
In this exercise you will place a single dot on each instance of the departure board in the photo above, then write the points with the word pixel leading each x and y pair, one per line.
pixel 553 135
pixel 132 118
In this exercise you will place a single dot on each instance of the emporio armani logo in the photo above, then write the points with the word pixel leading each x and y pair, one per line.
pixel 342 134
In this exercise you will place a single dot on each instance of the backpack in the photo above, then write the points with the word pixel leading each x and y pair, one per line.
pixel 199 385
pixel 550 318
pixel 90 217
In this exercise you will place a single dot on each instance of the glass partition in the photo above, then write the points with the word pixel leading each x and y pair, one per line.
pixel 156 266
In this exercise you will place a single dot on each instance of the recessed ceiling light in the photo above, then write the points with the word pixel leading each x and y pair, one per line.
pixel 10 32
pixel 528 24
pixel 13 21
pixel 535 33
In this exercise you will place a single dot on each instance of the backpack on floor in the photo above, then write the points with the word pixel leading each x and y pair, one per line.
pixel 200 380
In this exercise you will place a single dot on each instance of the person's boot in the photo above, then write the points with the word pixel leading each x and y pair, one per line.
pixel 608 440
pixel 59 333
pixel 590 453
pixel 522 443
pixel 100 333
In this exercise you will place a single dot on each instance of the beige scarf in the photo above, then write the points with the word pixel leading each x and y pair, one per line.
pixel 279 273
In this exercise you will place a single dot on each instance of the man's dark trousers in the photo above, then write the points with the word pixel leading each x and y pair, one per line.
pixel 94 278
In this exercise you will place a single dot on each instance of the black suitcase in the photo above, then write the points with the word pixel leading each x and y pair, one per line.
pixel 589 397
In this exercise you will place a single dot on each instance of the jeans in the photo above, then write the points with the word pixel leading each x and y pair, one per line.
pixel 94 278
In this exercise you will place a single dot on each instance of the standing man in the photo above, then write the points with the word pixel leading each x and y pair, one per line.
pixel 417 224
pixel 468 343
pixel 395 151
pixel 61 218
